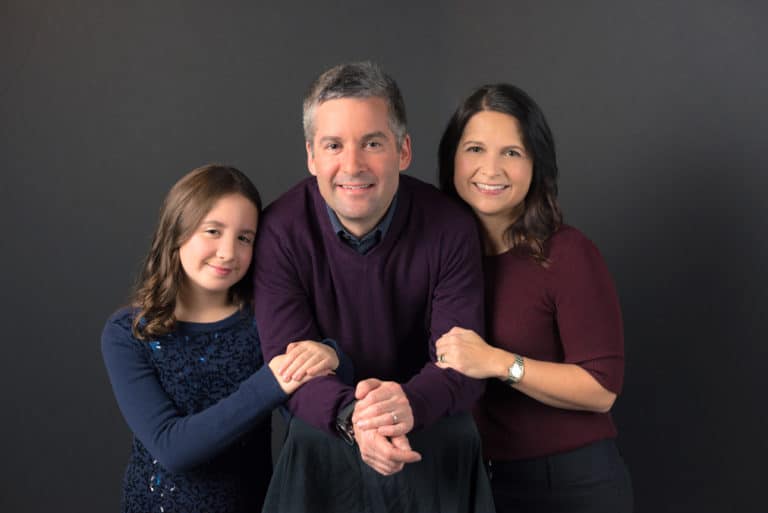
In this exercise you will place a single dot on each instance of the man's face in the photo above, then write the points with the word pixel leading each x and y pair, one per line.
pixel 355 157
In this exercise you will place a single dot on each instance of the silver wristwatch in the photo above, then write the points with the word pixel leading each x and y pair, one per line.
pixel 515 371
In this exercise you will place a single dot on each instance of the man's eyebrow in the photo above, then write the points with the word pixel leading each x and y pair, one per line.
pixel 374 135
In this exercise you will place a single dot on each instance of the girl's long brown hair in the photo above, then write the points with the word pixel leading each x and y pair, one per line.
pixel 183 209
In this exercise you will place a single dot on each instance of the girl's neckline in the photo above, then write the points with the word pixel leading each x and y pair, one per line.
pixel 193 327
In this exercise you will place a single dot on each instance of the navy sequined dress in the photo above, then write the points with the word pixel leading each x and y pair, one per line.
pixel 198 402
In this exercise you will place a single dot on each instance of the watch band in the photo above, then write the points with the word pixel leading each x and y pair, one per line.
pixel 344 423
pixel 516 371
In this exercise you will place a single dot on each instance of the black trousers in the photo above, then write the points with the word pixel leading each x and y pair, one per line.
pixel 318 473
pixel 591 479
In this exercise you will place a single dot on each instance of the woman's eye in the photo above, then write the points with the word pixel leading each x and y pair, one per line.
pixel 212 231
pixel 474 149
pixel 514 153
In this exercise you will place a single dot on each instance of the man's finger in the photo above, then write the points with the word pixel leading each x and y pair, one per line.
pixel 365 386
pixel 390 430
pixel 401 451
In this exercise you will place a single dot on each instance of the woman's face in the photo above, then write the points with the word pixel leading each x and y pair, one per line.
pixel 492 168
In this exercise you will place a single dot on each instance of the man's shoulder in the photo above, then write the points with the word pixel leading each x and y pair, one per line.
pixel 435 206
pixel 292 220
pixel 291 208
pixel 429 198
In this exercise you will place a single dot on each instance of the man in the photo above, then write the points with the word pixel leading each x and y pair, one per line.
pixel 383 265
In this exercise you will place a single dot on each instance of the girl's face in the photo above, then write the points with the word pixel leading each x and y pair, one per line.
pixel 492 169
pixel 218 253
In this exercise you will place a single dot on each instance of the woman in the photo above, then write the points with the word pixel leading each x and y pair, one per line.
pixel 185 362
pixel 556 351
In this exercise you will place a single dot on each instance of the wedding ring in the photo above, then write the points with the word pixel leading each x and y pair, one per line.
pixel 441 358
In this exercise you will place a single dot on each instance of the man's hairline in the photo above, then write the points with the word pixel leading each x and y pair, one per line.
pixel 390 117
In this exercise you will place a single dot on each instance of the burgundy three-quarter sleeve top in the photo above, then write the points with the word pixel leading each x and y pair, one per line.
pixel 568 312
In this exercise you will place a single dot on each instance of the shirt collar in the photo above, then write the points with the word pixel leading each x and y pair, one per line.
pixel 371 238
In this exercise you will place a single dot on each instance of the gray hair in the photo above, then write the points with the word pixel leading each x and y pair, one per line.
pixel 356 80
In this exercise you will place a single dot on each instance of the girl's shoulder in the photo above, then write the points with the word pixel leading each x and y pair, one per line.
pixel 122 318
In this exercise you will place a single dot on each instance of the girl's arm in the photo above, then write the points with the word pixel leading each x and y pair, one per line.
pixel 181 442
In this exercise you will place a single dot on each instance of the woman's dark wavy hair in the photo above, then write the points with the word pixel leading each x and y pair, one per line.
pixel 183 209
pixel 541 215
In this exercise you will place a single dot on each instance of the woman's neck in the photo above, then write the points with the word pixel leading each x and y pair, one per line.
pixel 494 227
pixel 493 230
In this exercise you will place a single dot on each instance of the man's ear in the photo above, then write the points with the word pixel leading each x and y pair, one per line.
pixel 405 153
pixel 310 158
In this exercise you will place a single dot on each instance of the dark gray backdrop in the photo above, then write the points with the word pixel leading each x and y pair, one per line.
pixel 658 108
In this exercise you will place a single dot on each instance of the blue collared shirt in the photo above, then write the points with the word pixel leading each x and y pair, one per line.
pixel 368 241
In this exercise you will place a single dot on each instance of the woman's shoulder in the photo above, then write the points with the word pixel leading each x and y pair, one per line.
pixel 568 239
pixel 570 248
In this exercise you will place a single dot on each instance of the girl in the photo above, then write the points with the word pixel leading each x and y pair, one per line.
pixel 554 319
pixel 184 358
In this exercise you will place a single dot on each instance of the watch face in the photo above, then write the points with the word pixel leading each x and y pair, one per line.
pixel 516 372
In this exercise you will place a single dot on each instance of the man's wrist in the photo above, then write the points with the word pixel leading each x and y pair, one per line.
pixel 344 424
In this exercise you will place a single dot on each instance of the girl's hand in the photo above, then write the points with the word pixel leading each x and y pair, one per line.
pixel 308 359
pixel 275 364
pixel 464 351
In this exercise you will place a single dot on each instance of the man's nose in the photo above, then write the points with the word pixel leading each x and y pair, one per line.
pixel 353 161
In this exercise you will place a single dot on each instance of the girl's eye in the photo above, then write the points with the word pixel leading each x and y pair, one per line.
pixel 246 239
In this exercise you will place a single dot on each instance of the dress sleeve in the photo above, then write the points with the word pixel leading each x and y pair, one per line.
pixel 284 315
pixel 588 313
pixel 180 442
pixel 457 301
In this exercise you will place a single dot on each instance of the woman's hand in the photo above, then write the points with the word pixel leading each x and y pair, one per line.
pixel 560 385
pixel 466 352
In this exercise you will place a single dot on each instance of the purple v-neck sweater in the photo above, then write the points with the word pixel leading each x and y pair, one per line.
pixel 385 309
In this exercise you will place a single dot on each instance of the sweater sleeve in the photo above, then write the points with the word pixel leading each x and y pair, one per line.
pixel 180 442
pixel 457 301
pixel 346 369
pixel 588 313
pixel 284 315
